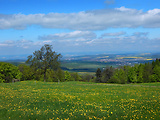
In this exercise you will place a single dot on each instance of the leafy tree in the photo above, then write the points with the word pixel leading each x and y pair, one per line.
pixel 115 77
pixel 140 73
pixel 67 76
pixel 8 72
pixel 156 62
pixel 51 76
pixel 38 75
pixel 107 74
pixel 60 75
pixel 132 75
pixel 98 75
pixel 126 71
pixel 27 72
pixel 119 76
pixel 147 72
pixel 87 77
pixel 155 77
pixel 122 76
pixel 44 59
pixel 75 76
pixel 54 76
pixel 2 78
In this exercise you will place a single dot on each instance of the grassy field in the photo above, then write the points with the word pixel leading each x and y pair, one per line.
pixel 86 66
pixel 82 66
pixel 78 101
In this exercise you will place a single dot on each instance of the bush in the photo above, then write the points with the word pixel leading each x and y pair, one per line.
pixel 9 72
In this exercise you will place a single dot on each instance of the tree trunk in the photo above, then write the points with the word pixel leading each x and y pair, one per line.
pixel 45 75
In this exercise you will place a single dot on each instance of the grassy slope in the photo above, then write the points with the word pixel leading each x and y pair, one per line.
pixel 78 100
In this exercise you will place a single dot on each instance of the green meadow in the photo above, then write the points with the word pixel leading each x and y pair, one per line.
pixel 79 101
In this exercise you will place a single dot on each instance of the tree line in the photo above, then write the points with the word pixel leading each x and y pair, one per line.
pixel 139 73
pixel 44 65
pixel 23 72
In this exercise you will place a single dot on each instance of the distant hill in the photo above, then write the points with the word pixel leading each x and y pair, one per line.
pixel 89 63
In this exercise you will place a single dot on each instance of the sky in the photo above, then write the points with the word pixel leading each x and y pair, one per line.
pixel 79 26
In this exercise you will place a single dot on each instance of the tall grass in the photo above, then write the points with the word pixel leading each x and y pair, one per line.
pixel 78 101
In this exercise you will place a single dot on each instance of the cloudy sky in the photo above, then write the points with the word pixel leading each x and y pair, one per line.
pixel 79 26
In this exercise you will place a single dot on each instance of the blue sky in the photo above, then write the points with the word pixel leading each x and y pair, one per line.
pixel 79 26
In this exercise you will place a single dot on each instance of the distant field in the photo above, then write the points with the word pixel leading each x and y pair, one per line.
pixel 78 101
pixel 84 66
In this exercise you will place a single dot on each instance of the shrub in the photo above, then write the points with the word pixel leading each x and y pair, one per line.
pixel 9 72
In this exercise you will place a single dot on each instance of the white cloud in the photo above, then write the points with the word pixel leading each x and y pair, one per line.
pixel 7 43
pixel 73 42
pixel 88 20
pixel 19 43
pixel 124 9
pixel 154 12
pixel 72 35
pixel 113 34
pixel 3 45
pixel 137 39
pixel 139 34
pixel 47 41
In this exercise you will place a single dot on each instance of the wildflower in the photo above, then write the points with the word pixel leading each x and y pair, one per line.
pixel 90 118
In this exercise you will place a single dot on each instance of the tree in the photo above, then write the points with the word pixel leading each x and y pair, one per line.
pixel 155 77
pixel 107 74
pixel 51 76
pixel 55 76
pixel 60 75
pixel 140 73
pixel 27 72
pixel 75 76
pixel 157 62
pixel 98 75
pixel 147 72
pixel 67 76
pixel 44 59
pixel 115 77
pixel 119 76
pixel 132 75
pixel 87 77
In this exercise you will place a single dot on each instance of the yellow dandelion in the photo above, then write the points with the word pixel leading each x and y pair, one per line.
pixel 95 117
pixel 90 118
pixel 66 119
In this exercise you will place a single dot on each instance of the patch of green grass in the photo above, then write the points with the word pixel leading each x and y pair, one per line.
pixel 151 84
pixel 78 100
